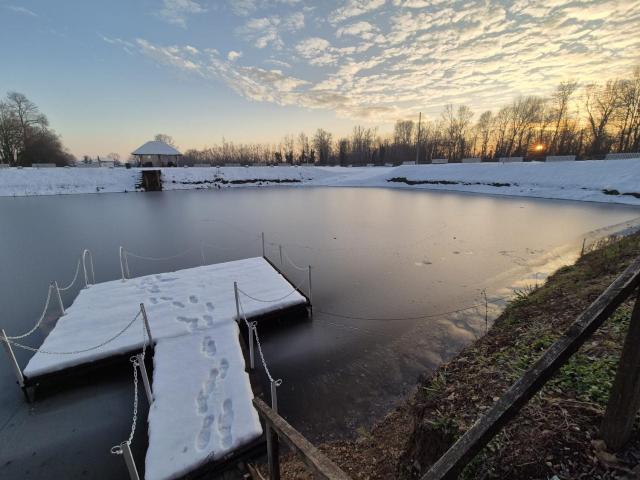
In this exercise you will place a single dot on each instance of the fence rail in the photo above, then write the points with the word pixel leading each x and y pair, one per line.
pixel 278 429
pixel 624 399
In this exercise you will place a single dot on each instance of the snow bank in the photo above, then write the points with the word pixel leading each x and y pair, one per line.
pixel 614 181
pixel 202 406
pixel 177 303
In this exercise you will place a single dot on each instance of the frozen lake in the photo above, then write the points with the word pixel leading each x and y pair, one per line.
pixel 377 254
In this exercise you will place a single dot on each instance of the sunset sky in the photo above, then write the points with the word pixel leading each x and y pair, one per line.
pixel 111 74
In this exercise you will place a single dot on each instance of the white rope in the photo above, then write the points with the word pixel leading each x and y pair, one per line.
pixel 75 277
pixel 96 347
pixel 37 325
pixel 286 255
pixel 142 257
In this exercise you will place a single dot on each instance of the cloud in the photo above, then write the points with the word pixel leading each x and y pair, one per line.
pixel 176 12
pixel 21 10
pixel 386 60
pixel 267 31
pixel 354 8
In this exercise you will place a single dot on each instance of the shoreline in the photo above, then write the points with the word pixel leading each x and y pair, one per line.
pixel 585 181
pixel 445 403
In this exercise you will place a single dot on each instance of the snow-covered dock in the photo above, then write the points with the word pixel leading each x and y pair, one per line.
pixel 201 411
pixel 177 303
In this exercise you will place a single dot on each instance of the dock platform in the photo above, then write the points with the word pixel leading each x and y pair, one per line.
pixel 177 303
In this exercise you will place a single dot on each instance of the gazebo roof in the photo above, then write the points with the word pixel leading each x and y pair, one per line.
pixel 156 147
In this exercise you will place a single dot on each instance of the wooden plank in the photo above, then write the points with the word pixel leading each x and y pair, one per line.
pixel 455 459
pixel 624 400
pixel 320 465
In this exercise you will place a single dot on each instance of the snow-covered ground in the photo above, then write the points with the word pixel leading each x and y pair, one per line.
pixel 612 181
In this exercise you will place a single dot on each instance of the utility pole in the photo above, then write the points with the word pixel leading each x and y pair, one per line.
pixel 418 139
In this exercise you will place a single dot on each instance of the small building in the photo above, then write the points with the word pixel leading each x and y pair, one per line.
pixel 157 154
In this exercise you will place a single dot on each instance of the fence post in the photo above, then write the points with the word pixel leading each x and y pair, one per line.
pixel 145 378
pixel 12 358
pixel 128 460
pixel 263 254
pixel 146 322
pixel 251 353
pixel 273 453
pixel 624 399
pixel 55 285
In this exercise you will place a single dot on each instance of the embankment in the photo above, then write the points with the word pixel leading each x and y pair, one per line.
pixel 557 431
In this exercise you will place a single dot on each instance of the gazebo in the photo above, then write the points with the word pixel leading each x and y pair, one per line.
pixel 157 154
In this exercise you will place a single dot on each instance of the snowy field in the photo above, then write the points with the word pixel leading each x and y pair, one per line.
pixel 611 181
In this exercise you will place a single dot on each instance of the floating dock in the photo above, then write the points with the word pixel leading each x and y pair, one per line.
pixel 177 303
pixel 201 411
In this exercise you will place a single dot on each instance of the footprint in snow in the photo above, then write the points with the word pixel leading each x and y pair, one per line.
pixel 224 366
pixel 192 323
pixel 193 299
pixel 208 320
pixel 210 306
pixel 166 299
pixel 209 346
pixel 210 384
pixel 205 433
pixel 153 300
pixel 225 421
pixel 201 402
pixel 178 304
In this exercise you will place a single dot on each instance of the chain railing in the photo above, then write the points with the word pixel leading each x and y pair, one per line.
pixel 252 329
pixel 40 319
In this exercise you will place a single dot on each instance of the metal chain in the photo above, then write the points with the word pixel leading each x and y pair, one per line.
pixel 254 326
pixel 37 325
pixel 141 257
pixel 96 347
pixel 134 420
pixel 75 277
pixel 286 255
pixel 295 289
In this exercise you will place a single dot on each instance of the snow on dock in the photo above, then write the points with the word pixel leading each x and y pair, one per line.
pixel 202 406
pixel 177 303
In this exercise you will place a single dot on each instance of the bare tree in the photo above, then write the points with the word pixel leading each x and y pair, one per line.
pixel 560 109
pixel 163 137
pixel 601 102
pixel 322 145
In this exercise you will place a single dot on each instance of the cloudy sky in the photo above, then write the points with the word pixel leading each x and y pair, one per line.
pixel 111 74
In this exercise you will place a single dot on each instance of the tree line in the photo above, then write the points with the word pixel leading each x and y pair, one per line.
pixel 588 121
pixel 25 135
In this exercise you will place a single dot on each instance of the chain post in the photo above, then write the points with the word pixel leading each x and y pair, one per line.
pixel 54 284
pixel 146 322
pixel 145 377
pixel 12 358
pixel 263 252
pixel 310 293
pixel 281 262
pixel 235 292
pixel 274 395
pixel 250 327
pixel 122 272
pixel 129 461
